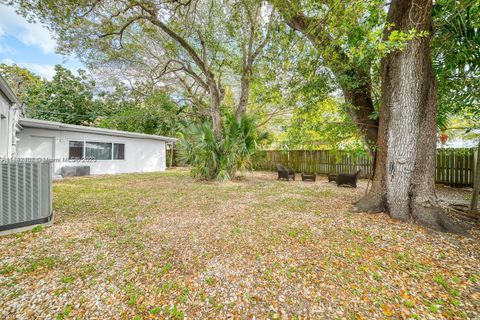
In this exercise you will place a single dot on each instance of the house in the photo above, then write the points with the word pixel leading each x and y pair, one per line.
pixel 32 151
pixel 105 151
pixel 9 114
pixel 453 138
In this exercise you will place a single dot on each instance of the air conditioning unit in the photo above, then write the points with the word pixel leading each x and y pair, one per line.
pixel 25 196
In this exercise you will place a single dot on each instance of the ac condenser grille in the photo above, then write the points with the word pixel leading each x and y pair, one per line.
pixel 25 194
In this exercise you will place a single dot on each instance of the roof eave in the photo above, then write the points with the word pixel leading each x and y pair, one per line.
pixel 42 124
pixel 7 91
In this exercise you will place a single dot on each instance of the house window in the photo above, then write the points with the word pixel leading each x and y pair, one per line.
pixel 118 151
pixel 98 150
pixel 75 150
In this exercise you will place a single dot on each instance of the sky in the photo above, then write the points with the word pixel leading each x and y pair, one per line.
pixel 30 45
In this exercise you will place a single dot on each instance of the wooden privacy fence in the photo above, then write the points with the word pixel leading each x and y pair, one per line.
pixel 454 167
pixel 318 161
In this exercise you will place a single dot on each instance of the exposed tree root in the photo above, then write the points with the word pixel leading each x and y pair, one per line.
pixel 434 217
pixel 372 203
pixel 426 213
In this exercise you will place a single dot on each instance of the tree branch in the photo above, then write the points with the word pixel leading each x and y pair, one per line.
pixel 178 38
pixel 122 29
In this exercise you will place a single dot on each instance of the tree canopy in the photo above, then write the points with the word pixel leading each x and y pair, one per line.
pixel 309 72
pixel 456 56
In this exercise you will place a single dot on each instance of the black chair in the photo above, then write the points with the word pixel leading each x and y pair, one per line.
pixel 283 173
pixel 332 177
pixel 309 176
pixel 348 179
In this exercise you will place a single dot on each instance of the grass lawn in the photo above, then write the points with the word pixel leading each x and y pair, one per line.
pixel 161 245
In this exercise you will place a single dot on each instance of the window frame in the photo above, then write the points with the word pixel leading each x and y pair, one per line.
pixel 90 141
pixel 83 150
pixel 97 141
pixel 113 150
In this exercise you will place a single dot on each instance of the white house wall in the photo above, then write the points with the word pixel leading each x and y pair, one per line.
pixel 4 125
pixel 9 114
pixel 141 155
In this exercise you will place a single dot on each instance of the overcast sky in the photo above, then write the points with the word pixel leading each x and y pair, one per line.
pixel 29 45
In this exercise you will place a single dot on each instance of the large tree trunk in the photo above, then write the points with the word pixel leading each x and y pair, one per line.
pixel 404 182
pixel 406 92
pixel 215 101
pixel 375 200
pixel 244 94
pixel 362 108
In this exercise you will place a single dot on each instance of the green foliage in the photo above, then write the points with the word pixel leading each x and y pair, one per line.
pixel 70 99
pixel 212 159
pixel 66 98
pixel 19 79
pixel 155 310
pixel 295 77
pixel 199 148
pixel 323 125
pixel 456 58
pixel 175 313
pixel 37 229
pixel 156 114
pixel 397 40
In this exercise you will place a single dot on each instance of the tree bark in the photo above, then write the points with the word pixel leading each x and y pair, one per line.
pixel 361 100
pixel 200 60
pixel 404 182
pixel 250 54
pixel 244 94
pixel 375 200
pixel 215 102
pixel 476 185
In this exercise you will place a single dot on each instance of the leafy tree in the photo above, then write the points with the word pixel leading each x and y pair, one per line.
pixel 19 79
pixel 324 125
pixel 456 58
pixel 404 181
pixel 163 41
pixel 71 99
pixel 347 39
pixel 66 98
pixel 289 86
pixel 156 114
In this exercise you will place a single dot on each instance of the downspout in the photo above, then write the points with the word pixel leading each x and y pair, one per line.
pixel 14 128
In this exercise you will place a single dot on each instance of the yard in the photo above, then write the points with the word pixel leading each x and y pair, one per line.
pixel 162 245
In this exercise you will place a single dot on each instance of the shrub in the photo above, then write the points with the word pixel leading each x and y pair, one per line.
pixel 220 159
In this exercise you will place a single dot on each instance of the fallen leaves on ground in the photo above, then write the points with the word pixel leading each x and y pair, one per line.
pixel 154 246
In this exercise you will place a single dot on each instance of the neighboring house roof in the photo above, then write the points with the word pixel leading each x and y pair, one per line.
pixel 5 89
pixel 42 124
pixel 461 138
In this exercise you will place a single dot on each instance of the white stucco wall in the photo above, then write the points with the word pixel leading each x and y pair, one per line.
pixel 9 113
pixel 141 155
pixel 4 125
